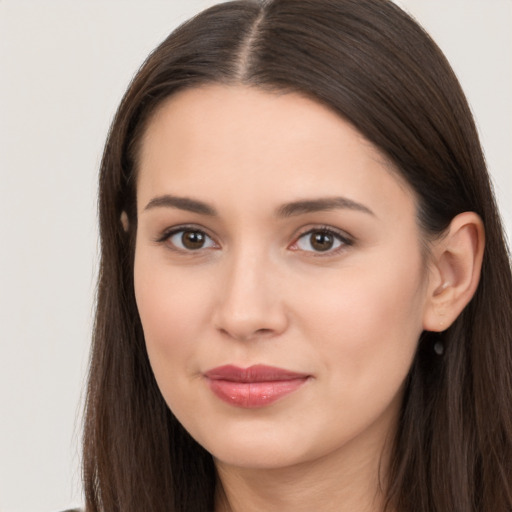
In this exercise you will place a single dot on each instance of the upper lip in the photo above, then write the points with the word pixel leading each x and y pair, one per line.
pixel 255 373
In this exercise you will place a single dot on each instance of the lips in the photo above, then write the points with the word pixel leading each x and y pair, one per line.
pixel 256 386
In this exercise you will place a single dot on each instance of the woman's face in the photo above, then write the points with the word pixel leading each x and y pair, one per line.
pixel 271 234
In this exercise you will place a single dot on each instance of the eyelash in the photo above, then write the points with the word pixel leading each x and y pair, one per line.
pixel 169 233
pixel 344 240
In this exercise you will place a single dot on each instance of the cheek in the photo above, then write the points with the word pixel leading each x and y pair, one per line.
pixel 367 323
pixel 170 307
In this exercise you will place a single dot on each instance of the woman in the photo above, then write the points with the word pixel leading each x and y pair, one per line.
pixel 304 296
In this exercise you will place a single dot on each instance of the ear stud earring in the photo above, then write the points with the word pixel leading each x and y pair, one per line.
pixel 439 348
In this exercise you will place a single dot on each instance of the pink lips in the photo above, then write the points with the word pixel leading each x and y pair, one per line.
pixel 255 386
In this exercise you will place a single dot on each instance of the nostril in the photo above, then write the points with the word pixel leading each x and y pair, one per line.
pixel 263 331
pixel 249 335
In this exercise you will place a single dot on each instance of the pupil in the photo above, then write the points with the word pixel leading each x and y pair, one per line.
pixel 192 239
pixel 322 241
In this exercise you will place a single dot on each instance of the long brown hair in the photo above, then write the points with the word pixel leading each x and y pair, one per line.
pixel 371 63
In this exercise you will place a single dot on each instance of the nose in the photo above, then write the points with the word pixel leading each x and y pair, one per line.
pixel 250 304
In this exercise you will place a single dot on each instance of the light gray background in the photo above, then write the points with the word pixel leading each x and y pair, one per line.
pixel 63 68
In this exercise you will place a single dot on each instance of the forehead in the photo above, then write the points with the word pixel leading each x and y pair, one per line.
pixel 252 116
pixel 243 142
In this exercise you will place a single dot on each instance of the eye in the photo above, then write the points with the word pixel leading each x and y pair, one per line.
pixel 321 240
pixel 189 239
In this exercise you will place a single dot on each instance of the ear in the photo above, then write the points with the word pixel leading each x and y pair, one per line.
pixel 455 264
pixel 124 221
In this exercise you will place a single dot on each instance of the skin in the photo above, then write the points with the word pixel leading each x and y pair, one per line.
pixel 258 293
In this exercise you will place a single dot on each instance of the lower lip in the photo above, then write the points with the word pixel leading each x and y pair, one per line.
pixel 250 395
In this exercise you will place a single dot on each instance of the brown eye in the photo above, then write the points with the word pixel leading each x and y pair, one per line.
pixel 191 240
pixel 321 240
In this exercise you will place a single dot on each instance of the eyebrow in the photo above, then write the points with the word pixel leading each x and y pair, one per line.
pixel 294 208
pixel 181 203
pixel 320 205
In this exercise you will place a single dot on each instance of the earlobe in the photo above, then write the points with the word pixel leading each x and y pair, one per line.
pixel 456 261
pixel 124 221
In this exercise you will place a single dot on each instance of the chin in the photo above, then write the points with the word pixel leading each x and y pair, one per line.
pixel 255 446
pixel 256 457
pixel 270 447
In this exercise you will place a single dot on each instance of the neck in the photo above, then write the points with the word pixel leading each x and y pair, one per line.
pixel 349 480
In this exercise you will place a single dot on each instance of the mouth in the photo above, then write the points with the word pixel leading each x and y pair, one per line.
pixel 256 386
